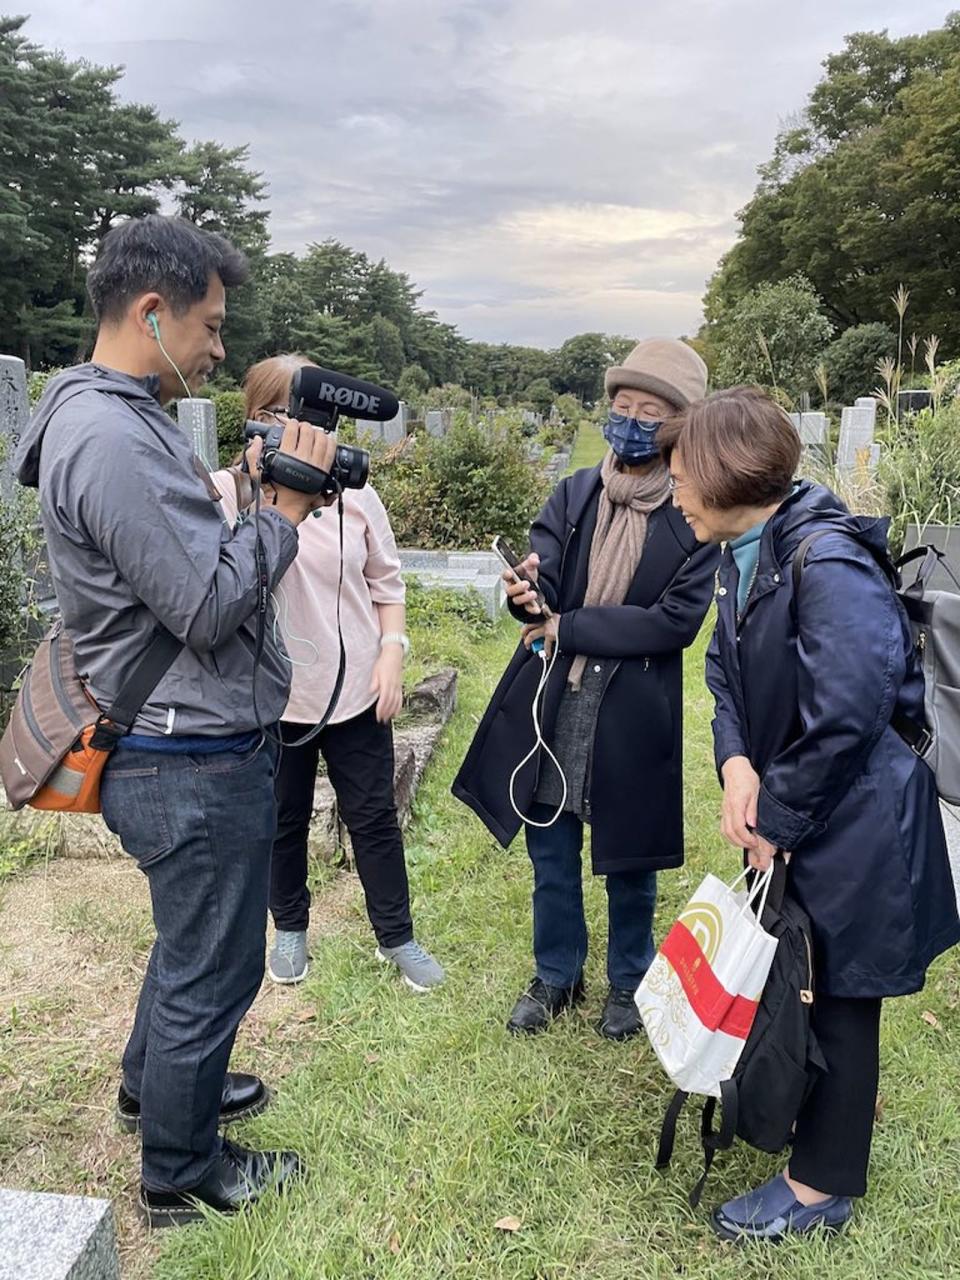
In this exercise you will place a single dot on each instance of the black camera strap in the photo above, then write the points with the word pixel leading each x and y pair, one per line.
pixel 263 606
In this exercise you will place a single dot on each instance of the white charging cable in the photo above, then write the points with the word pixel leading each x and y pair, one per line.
pixel 540 742
pixel 281 627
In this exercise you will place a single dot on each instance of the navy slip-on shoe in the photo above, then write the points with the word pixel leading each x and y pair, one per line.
pixel 772 1211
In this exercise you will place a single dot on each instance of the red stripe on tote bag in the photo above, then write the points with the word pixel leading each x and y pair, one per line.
pixel 714 1005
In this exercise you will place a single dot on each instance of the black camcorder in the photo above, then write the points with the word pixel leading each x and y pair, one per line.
pixel 318 396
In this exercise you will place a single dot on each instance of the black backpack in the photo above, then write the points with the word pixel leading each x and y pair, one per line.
pixel 781 1058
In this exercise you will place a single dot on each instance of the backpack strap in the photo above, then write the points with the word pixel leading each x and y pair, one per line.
pixel 668 1130
pixel 712 1141
pixel 117 720
pixel 917 736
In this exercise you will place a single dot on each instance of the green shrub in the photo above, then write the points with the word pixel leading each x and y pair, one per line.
pixel 37 384
pixel 458 491
pixel 231 416
pixel 774 336
pixel 920 471
pixel 429 607
pixel 22 545
pixel 950 373
pixel 571 410
pixel 851 360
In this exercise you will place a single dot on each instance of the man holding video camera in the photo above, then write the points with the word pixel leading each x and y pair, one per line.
pixel 138 550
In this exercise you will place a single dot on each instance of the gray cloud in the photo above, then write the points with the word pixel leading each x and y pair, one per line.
pixel 539 167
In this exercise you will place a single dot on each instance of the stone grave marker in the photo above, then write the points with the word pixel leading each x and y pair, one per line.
pixel 52 1237
pixel 367 430
pixel 198 418
pixel 14 415
pixel 396 429
pixel 434 422
pixel 856 446
pixel 913 401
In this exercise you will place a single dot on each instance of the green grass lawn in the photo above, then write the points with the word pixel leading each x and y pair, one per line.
pixel 423 1124
pixel 589 448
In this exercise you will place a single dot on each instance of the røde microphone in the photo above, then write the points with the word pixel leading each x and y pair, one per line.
pixel 319 396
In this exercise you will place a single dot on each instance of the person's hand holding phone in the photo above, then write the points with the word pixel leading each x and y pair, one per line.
pixel 521 585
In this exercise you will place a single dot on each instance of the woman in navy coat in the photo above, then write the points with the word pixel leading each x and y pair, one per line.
pixel 805 688
pixel 628 586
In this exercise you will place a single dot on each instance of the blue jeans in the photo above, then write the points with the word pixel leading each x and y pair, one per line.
pixel 200 827
pixel 559 925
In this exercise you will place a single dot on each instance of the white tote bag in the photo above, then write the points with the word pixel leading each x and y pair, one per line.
pixel 699 998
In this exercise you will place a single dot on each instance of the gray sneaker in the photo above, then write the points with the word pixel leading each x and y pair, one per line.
pixel 288 959
pixel 420 970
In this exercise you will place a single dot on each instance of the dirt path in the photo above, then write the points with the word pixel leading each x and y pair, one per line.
pixel 74 936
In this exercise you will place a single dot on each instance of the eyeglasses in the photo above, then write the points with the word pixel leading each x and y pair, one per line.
pixel 676 484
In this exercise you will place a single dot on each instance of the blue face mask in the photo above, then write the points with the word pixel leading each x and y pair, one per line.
pixel 633 440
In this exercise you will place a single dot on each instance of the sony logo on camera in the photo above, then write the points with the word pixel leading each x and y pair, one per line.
pixel 347 398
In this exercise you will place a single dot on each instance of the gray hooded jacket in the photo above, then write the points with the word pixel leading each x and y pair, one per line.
pixel 134 538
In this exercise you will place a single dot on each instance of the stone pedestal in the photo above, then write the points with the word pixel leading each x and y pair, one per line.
pixel 48 1237
pixel 14 415
pixel 198 418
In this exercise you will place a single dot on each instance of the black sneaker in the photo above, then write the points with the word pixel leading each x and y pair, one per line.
pixel 621 1018
pixel 243 1096
pixel 238 1178
pixel 540 1004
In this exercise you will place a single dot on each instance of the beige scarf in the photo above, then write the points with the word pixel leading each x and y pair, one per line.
pixel 625 503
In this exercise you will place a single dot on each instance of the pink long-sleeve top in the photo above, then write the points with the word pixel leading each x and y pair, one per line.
pixel 305 603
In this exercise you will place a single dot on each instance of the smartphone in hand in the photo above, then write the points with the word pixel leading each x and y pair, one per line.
pixel 508 557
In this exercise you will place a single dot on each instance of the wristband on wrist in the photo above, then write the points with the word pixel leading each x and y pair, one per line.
pixel 396 637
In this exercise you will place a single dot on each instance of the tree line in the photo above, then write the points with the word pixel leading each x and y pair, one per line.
pixel 858 208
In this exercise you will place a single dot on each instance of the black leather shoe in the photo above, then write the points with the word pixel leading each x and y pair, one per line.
pixel 540 1004
pixel 621 1018
pixel 243 1096
pixel 238 1178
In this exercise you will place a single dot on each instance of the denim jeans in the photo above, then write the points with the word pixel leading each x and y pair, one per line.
pixel 200 828
pixel 559 925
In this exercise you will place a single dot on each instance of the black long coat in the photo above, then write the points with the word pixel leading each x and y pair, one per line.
pixel 635 795
pixel 805 688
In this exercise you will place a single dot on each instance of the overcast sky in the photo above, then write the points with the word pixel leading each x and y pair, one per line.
pixel 538 167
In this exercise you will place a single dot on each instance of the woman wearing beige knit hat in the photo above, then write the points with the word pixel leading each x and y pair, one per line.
pixel 627 586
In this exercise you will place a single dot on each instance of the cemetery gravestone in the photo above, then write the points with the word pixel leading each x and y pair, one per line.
pixel 371 430
pixel 856 436
pixel 913 401
pixel 198 418
pixel 396 429
pixel 434 422
pixel 14 415
pixel 51 1237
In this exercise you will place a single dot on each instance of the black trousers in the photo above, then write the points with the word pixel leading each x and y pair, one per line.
pixel 359 758
pixel 831 1145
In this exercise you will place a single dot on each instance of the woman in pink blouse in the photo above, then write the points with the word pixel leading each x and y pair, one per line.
pixel 357 744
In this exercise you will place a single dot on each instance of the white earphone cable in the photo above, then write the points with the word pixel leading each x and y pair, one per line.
pixel 169 360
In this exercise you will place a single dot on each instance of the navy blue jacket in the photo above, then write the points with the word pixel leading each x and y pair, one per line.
pixel 805 688
pixel 635 796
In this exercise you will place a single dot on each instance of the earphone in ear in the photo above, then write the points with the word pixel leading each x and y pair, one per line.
pixel 155 324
